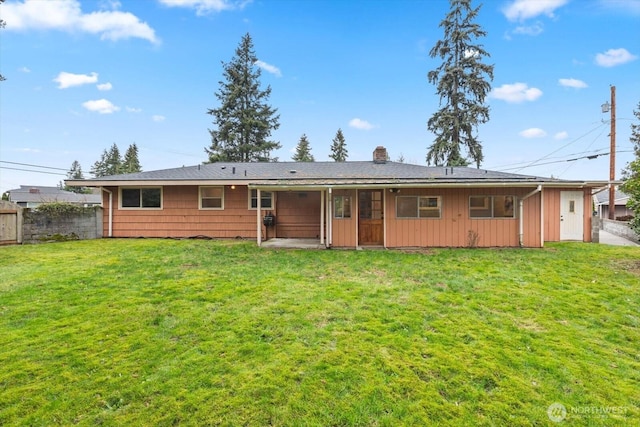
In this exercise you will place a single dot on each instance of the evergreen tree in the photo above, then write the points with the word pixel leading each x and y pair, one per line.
pixel 339 151
pixel 244 120
pixel 75 172
pixel 463 82
pixel 631 175
pixel 110 163
pixel 303 151
pixel 131 163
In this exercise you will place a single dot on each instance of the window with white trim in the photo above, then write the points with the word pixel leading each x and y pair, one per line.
pixel 212 197
pixel 266 199
pixel 141 198
pixel 342 207
pixel 418 206
pixel 492 207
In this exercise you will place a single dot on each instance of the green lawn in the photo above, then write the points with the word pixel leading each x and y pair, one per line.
pixel 192 332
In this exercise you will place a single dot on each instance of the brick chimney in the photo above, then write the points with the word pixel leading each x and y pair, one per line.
pixel 380 154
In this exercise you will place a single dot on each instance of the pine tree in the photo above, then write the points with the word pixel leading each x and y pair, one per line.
pixel 631 175
pixel 303 151
pixel 99 168
pixel 110 163
pixel 131 163
pixel 463 82
pixel 339 151
pixel 244 120
pixel 75 172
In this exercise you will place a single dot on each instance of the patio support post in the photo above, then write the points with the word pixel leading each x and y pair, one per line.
pixel 259 214
pixel 330 217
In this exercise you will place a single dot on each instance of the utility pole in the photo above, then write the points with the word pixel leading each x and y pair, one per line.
pixel 606 107
pixel 612 157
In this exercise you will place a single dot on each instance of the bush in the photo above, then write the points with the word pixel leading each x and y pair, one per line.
pixel 58 209
pixel 625 218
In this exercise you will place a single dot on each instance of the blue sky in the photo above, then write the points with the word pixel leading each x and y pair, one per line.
pixel 83 75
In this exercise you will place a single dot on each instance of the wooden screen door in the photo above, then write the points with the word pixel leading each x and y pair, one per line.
pixel 370 217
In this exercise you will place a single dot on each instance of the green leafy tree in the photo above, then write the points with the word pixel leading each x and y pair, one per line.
pixel 303 151
pixel 131 164
pixel 244 121
pixel 631 175
pixel 463 81
pixel 339 151
pixel 5 196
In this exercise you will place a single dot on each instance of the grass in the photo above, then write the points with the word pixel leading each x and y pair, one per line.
pixel 164 332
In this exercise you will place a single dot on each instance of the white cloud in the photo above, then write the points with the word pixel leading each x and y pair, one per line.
pixel 614 57
pixel 203 7
pixel 66 80
pixel 67 15
pixel 101 106
pixel 520 10
pixel 530 30
pixel 269 68
pixel 574 83
pixel 105 86
pixel 622 6
pixel 515 93
pixel 360 124
pixel 133 109
pixel 561 135
pixel 24 70
pixel 533 133
pixel 158 118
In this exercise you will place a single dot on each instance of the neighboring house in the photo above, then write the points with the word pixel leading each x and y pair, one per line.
pixel 601 202
pixel 348 204
pixel 30 196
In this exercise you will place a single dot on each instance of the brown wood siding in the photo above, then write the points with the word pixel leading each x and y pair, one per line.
pixel 588 214
pixel 455 224
pixel 344 229
pixel 552 214
pixel 298 214
pixel 181 217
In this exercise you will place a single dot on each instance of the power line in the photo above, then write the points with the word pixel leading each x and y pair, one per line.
pixel 34 171
pixel 590 157
pixel 33 166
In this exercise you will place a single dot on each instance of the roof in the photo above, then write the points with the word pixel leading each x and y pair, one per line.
pixel 620 198
pixel 39 194
pixel 314 174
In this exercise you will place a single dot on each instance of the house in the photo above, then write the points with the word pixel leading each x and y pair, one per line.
pixel 30 196
pixel 601 202
pixel 348 204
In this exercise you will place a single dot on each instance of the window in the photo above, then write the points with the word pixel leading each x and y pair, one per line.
pixel 211 197
pixel 418 207
pixel 266 201
pixel 141 198
pixel 342 207
pixel 492 206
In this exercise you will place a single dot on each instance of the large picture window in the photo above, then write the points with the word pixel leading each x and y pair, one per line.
pixel 492 206
pixel 342 207
pixel 418 207
pixel 266 199
pixel 211 197
pixel 141 198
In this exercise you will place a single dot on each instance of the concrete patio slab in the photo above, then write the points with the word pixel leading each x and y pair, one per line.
pixel 607 238
pixel 280 243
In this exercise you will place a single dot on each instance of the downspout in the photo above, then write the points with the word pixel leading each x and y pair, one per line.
pixel 259 214
pixel 322 213
pixel 330 218
pixel 110 234
pixel 521 214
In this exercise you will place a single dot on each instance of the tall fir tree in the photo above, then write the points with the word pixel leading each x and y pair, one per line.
pixel 303 151
pixel 131 164
pixel 244 121
pixel 631 175
pixel 75 172
pixel 463 81
pixel 339 151
pixel 110 163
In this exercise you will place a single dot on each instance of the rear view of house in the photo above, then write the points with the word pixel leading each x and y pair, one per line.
pixel 348 204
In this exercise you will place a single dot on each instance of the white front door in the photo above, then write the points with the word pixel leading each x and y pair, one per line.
pixel 571 215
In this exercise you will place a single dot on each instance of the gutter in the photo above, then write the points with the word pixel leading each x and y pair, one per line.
pixel 521 214
pixel 110 234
